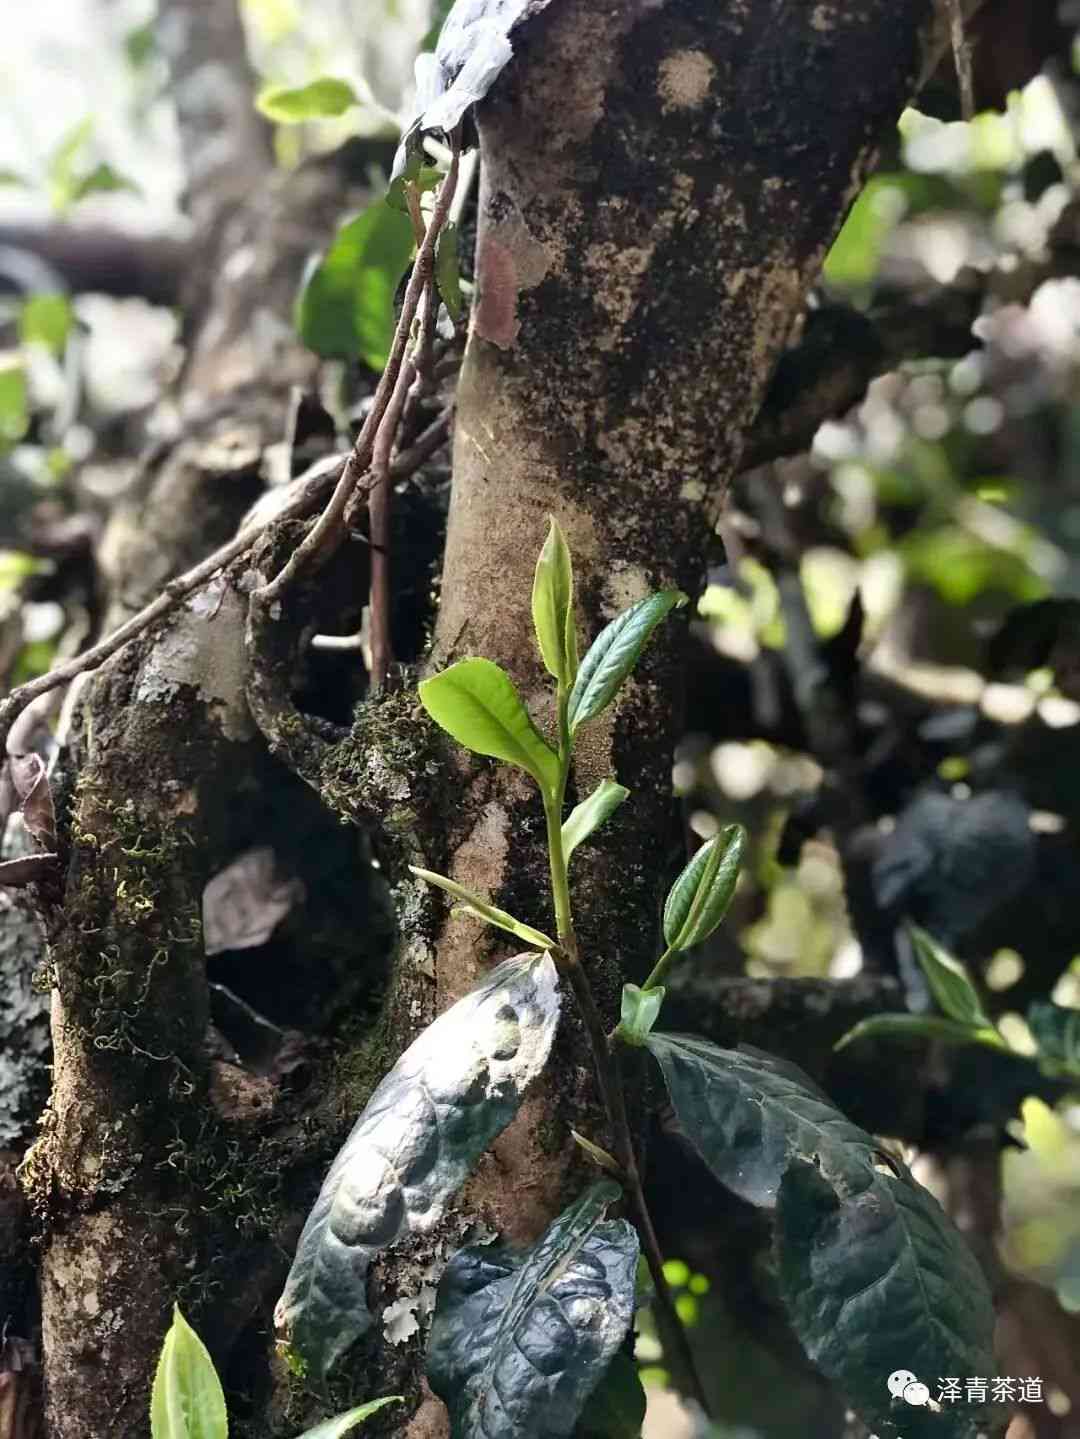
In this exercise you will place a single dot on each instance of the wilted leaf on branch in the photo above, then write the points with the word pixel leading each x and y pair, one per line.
pixel 427 1123
pixel 244 902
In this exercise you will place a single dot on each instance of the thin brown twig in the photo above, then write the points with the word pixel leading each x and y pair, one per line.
pixel 329 529
pixel 173 594
pixel 380 501
pixel 961 48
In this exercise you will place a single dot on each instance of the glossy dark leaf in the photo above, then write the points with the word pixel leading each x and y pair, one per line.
pixel 425 1126
pixel 615 652
pixel 877 1279
pixel 700 896
pixel 616 1407
pixel 1056 1030
pixel 345 310
pixel 520 1341
pixel 747 1114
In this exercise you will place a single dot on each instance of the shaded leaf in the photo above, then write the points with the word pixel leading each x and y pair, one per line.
pixel 489 912
pixel 919 1026
pixel 448 272
pixel 949 981
pixel 424 177
pixel 640 1010
pixel 342 1423
pixel 475 701
pixel 615 652
pixel 186 1401
pixel 102 179
pixel 616 1407
pixel 1056 1030
pixel 747 1114
pixel 553 604
pixel 519 1341
pixel 322 99
pixel 345 309
pixel 699 898
pixel 591 813
pixel 245 902
pixel 876 1278
pixel 428 1121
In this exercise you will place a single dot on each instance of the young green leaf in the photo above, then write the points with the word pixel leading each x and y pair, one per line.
pixel 699 898
pixel 919 1026
pixel 553 604
pixel 342 1423
pixel 949 982
pixel 46 319
pixel 480 908
pixel 475 701
pixel 345 310
pixel 323 99
pixel 639 1012
pixel 591 813
pixel 14 401
pixel 448 272
pixel 186 1401
pixel 615 652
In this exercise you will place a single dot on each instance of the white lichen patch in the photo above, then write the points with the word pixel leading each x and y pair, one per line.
pixel 204 650
pixel 684 80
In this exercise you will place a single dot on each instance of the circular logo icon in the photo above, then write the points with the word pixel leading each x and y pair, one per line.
pixel 899 1380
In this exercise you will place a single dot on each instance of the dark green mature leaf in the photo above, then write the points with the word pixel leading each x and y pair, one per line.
pixel 615 652
pixel 876 1279
pixel 345 309
pixel 423 1129
pixel 919 1026
pixel 342 1423
pixel 186 1401
pixel 476 702
pixel 553 605
pixel 747 1114
pixel 322 99
pixel 1056 1030
pixel 591 813
pixel 616 1407
pixel 699 898
pixel 488 912
pixel 448 273
pixel 520 1341
pixel 949 981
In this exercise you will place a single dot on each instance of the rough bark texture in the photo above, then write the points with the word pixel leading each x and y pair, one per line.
pixel 661 180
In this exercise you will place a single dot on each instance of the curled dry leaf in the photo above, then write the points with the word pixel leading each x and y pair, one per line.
pixel 32 788
pixel 428 1122
pixel 245 902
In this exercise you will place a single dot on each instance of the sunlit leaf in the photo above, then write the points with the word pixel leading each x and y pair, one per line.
pixel 46 320
pixel 700 897
pixel 342 1423
pixel 553 604
pixel 615 652
pixel 488 912
pixel 919 1026
pixel 949 982
pixel 639 1011
pixel 345 309
pixel 14 401
pixel 520 1341
pixel 591 813
pixel 322 99
pixel 475 701
pixel 187 1400
pixel 425 1126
